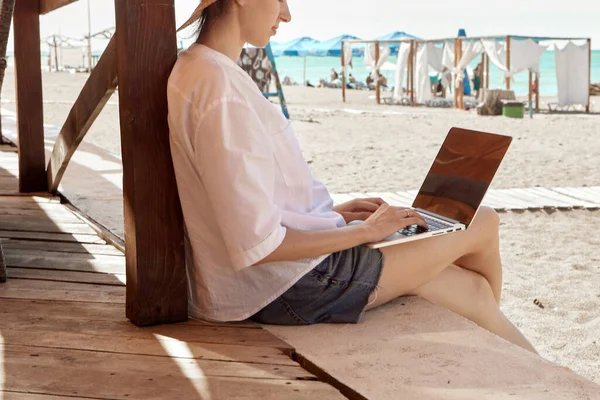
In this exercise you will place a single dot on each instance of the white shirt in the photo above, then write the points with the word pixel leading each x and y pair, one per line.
pixel 242 181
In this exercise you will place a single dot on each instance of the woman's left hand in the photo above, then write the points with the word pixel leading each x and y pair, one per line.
pixel 358 209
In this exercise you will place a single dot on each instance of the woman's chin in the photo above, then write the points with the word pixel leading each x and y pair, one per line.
pixel 260 42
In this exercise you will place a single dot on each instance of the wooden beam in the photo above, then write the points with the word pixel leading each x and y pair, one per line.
pixel 462 82
pixel 47 6
pixel 537 92
pixel 456 87
pixel 487 71
pixel 343 74
pixel 377 85
pixel 411 85
pixel 28 81
pixel 530 99
pixel 587 107
pixel 508 61
pixel 92 99
pixel 147 51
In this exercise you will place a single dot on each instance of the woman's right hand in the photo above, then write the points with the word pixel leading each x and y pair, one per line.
pixel 388 220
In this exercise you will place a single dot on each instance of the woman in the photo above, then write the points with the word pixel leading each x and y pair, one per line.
pixel 265 240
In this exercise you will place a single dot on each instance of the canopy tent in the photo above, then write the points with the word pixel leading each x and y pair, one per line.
pixel 511 54
pixel 295 47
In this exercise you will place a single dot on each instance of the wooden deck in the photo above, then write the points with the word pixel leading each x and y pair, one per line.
pixel 63 331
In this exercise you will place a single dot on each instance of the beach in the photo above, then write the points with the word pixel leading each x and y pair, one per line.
pixel 359 146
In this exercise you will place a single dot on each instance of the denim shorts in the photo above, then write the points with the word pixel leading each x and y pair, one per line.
pixel 335 291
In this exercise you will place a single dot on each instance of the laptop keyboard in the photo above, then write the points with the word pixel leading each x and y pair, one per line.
pixel 433 224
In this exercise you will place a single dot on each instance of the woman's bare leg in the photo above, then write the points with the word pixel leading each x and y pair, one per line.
pixel 469 294
pixel 411 265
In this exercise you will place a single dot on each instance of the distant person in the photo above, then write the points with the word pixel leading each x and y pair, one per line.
pixel 477 75
pixel 334 75
pixel 370 82
pixel 383 81
pixel 351 79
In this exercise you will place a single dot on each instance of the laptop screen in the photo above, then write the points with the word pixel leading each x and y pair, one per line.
pixel 461 174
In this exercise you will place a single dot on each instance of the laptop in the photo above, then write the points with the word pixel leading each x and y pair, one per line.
pixel 455 185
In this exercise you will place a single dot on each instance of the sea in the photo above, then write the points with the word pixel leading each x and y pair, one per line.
pixel 320 68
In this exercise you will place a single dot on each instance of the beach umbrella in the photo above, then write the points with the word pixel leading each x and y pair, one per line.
pixel 333 47
pixel 397 35
pixel 295 47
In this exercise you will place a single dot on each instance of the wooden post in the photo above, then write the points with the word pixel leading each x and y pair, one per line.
pixel 156 276
pixel 413 50
pixel 588 106
pixel 508 61
pixel 456 88
pixel 408 72
pixel 487 71
pixel 377 87
pixel 28 82
pixel 530 84
pixel 343 74
pixel 537 92
pixel 462 85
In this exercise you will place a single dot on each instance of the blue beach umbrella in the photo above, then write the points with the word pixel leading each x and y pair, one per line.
pixel 397 35
pixel 295 47
pixel 333 47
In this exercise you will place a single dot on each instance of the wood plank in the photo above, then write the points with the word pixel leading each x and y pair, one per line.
pixel 156 346
pixel 27 206
pixel 38 198
pixel 561 201
pixel 52 237
pixel 66 276
pixel 8 223
pixel 515 203
pixel 6 395
pixel 497 197
pixel 142 364
pixel 47 6
pixel 84 248
pixel 587 197
pixel 103 375
pixel 47 290
pixel 116 259
pixel 115 265
pixel 28 81
pixel 124 330
pixel 59 212
pixel 157 289
pixel 60 217
pixel 533 201
pixel 93 97
pixel 95 311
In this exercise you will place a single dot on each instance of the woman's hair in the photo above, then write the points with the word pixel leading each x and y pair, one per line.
pixel 211 14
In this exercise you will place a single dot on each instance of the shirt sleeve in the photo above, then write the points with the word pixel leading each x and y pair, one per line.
pixel 236 165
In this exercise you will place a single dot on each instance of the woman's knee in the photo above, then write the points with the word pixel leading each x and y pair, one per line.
pixel 486 223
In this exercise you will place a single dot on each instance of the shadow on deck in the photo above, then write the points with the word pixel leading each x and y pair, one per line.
pixel 63 331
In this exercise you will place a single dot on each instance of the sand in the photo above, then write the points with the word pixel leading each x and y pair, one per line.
pixel 359 146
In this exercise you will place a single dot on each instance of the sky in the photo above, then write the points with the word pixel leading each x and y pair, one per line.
pixel 323 19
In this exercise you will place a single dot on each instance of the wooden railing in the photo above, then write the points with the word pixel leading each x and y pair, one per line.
pixel 139 58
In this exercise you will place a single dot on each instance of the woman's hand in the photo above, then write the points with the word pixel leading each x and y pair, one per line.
pixel 387 220
pixel 358 209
